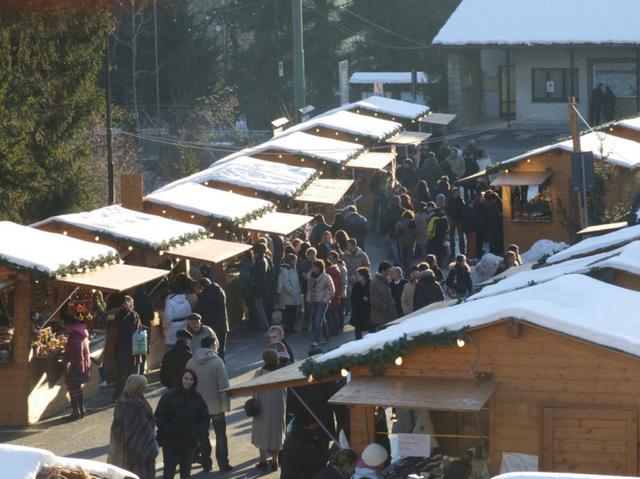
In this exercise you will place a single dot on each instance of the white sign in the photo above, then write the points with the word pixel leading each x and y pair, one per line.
pixel 411 445
pixel 281 69
pixel 343 80
pixel 551 86
pixel 378 88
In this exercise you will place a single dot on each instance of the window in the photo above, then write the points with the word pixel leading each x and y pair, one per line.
pixel 553 84
pixel 531 202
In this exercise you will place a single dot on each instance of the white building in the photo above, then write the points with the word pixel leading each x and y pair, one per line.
pixel 524 58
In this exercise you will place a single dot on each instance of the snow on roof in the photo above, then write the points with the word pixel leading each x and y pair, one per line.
pixel 328 149
pixel 597 243
pixel 543 22
pixel 630 123
pixel 209 202
pixel 612 149
pixel 22 462
pixel 542 248
pixel 351 123
pixel 386 77
pixel 130 225
pixel 628 259
pixel 33 249
pixel 390 106
pixel 599 314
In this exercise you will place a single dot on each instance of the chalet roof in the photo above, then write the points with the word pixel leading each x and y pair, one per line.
pixel 390 106
pixel 630 123
pixel 386 77
pixel 597 243
pixel 543 22
pixel 313 146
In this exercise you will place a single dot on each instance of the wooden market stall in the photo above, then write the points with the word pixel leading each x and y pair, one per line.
pixel 537 196
pixel 364 168
pixel 533 371
pixel 44 277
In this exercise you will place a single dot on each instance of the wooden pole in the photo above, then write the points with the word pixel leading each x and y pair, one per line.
pixel 575 136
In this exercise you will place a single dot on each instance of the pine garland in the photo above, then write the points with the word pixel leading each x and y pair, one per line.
pixel 229 224
pixel 379 359
pixel 72 268
pixel 164 246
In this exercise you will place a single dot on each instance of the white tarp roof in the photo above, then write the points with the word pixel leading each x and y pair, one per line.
pixel 46 252
pixel 206 201
pixel 390 106
pixel 386 77
pixel 574 305
pixel 630 123
pixel 612 149
pixel 131 225
pixel 314 146
pixel 541 22
pixel 596 243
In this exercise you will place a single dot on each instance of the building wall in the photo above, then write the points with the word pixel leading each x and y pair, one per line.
pixel 464 80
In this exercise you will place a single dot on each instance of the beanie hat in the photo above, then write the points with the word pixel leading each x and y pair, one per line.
pixel 374 455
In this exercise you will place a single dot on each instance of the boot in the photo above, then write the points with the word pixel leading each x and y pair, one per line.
pixel 75 413
pixel 81 408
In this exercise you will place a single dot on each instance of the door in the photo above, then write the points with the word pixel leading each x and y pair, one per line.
pixel 596 441
pixel 507 92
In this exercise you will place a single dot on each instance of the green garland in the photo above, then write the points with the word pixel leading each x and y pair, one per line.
pixel 164 246
pixel 229 224
pixel 72 268
pixel 379 359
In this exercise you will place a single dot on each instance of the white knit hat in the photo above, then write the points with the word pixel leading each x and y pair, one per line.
pixel 374 455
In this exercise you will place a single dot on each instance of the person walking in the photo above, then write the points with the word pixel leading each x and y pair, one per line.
pixel 471 167
pixel 260 286
pixel 212 381
pixel 437 230
pixel 199 331
pixel 77 365
pixel 289 290
pixel 212 307
pixel 431 171
pixel 432 262
pixel 396 285
pixel 408 291
pixel 177 308
pixel 318 229
pixel 455 210
pixel 405 233
pixel 356 225
pixel 127 322
pixel 427 290
pixel 310 256
pixel 132 443
pixel 268 427
pixel 383 308
pixel 182 419
pixel 354 258
pixel 175 360
pixel 304 450
pixel 335 305
pixel 608 104
pixel 320 291
pixel 458 282
pixel 360 302
pixel 455 164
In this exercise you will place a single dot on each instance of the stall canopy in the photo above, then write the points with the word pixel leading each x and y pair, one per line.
pixel 521 178
pixel 312 146
pixel 408 138
pixel 419 393
pixel 209 251
pixel 325 192
pixel 115 278
pixel 438 119
pixel 371 161
pixel 277 223
pixel 600 229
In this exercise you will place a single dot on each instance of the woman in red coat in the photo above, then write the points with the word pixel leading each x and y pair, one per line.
pixel 333 311
pixel 77 365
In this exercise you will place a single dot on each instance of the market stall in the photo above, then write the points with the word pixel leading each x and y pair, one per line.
pixel 364 168
pixel 45 278
pixel 401 111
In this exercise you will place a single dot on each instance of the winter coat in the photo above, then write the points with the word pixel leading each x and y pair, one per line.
pixel 289 286
pixel 396 294
pixel 304 267
pixel 325 248
pixel 407 177
pixel 132 445
pixel 438 226
pixel 335 303
pixel 76 355
pixel 173 365
pixel 394 213
pixel 427 291
pixel 204 332
pixel 455 208
pixel 456 165
pixel 406 300
pixel 320 289
pixel 127 322
pixel 176 310
pixel 344 279
pixel 268 428
pixel 144 308
pixel 361 305
pixel 438 274
pixel 422 219
pixel 471 164
pixel 182 418
pixel 353 261
pixel 383 308
pixel 405 231
pixel 357 226
pixel 244 278
pixel 304 452
pixel 315 236
pixel 212 379
pixel 459 281
pixel 259 277
pixel 469 219
pixel 431 172
pixel 212 306
pixel 365 472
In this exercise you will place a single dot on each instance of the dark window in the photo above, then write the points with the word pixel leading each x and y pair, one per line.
pixel 553 84
pixel 531 203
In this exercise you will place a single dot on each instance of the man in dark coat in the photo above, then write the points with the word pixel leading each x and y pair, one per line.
pixel 304 450
pixel 357 225
pixel 455 208
pixel 383 308
pixel 427 289
pixel 127 322
pixel 396 285
pixel 431 171
pixel 212 306
pixel 175 360
pixel 406 174
pixel 319 227
pixel 260 286
pixel 597 99
pixel 609 104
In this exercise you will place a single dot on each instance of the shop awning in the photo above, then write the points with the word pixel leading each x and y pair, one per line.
pixel 209 250
pixel 115 278
pixel 425 393
pixel 413 138
pixel 521 178
pixel 370 161
pixel 438 119
pixel 325 192
pixel 277 223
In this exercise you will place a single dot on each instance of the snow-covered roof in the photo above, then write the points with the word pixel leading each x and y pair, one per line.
pixel 627 259
pixel 630 123
pixel 612 149
pixel 386 77
pixel 22 462
pixel 29 248
pixel 313 146
pixel 542 248
pixel 351 123
pixel 209 202
pixel 129 225
pixel 553 305
pixel 390 106
pixel 542 22
pixel 597 243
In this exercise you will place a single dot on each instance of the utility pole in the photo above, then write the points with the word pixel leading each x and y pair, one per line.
pixel 298 58
pixel 155 32
pixel 575 136
pixel 111 185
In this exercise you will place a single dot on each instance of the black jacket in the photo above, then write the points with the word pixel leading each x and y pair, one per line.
pixel 182 417
pixel 212 306
pixel 327 472
pixel 360 306
pixel 459 280
pixel 304 452
pixel 396 293
pixel 427 291
pixel 455 208
pixel 127 322
pixel 316 233
pixel 357 227
pixel 144 308
pixel 431 172
pixel 259 277
pixel 173 364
